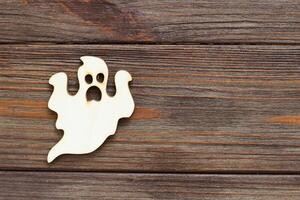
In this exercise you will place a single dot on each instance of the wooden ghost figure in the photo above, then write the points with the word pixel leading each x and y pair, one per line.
pixel 87 124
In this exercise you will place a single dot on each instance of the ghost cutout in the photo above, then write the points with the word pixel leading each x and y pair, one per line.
pixel 87 124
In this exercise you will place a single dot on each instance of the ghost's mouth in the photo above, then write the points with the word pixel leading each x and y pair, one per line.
pixel 93 93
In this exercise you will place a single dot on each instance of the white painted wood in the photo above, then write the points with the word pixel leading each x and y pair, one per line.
pixel 87 124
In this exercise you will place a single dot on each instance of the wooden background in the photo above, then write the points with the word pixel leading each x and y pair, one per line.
pixel 216 86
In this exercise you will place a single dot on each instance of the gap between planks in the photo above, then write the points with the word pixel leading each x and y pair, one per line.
pixel 233 173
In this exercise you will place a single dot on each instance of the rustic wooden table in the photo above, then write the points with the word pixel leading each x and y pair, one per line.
pixel 216 86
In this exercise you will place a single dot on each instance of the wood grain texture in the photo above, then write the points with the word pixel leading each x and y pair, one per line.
pixel 150 21
pixel 198 108
pixel 50 185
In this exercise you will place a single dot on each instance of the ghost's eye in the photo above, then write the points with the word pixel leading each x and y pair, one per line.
pixel 88 79
pixel 100 77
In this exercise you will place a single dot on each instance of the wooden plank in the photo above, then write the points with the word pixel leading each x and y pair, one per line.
pixel 198 108
pixel 50 185
pixel 150 21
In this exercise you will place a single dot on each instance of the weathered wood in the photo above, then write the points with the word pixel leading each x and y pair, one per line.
pixel 50 185
pixel 198 108
pixel 151 21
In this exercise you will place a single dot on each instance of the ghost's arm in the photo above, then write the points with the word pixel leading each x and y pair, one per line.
pixel 123 97
pixel 60 94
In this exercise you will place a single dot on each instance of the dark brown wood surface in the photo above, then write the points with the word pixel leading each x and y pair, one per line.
pixel 150 21
pixel 216 86
pixel 60 185
pixel 198 108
